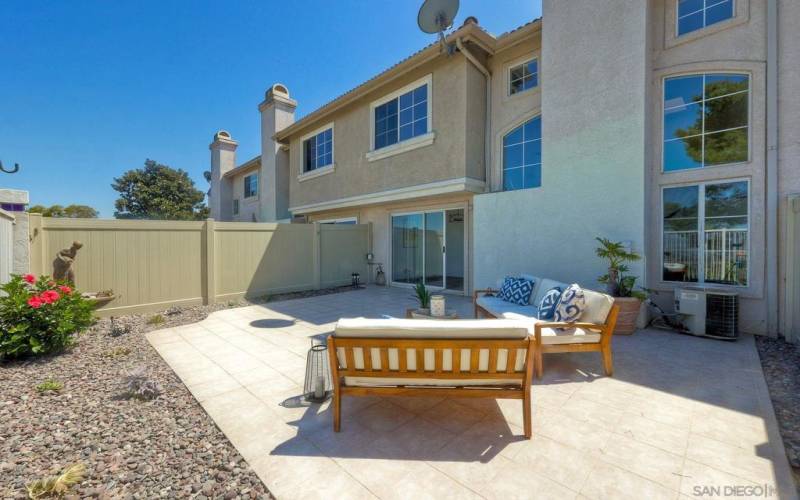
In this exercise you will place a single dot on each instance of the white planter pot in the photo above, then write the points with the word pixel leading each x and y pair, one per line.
pixel 437 306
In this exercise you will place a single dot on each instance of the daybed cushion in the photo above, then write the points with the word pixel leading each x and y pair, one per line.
pixel 598 305
pixel 430 329
pixel 545 285
pixel 506 310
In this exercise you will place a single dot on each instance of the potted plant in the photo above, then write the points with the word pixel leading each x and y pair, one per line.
pixel 423 296
pixel 620 286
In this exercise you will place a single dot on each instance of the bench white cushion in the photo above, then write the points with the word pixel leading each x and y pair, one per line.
pixel 431 328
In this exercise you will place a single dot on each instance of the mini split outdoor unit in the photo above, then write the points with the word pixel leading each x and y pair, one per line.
pixel 708 313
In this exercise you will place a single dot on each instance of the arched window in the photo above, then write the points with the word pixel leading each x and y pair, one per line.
pixel 522 156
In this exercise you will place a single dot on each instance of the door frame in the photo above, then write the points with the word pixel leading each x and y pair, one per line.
pixel 463 205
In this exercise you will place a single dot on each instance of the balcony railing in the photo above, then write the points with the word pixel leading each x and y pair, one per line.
pixel 726 256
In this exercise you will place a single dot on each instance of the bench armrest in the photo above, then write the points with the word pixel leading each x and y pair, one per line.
pixel 482 291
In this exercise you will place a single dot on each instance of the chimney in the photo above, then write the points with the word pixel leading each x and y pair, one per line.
pixel 277 113
pixel 223 159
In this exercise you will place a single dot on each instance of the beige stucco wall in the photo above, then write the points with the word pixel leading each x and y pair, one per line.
pixel 455 88
pixel 379 217
pixel 593 149
pixel 789 165
pixel 736 46
pixel 249 208
pixel 510 111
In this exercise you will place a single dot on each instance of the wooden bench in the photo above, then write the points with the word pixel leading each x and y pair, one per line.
pixel 428 358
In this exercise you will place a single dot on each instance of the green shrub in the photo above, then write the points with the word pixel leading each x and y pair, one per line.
pixel 156 320
pixel 39 316
pixel 48 385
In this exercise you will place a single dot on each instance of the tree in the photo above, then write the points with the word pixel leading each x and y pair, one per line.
pixel 71 211
pixel 158 192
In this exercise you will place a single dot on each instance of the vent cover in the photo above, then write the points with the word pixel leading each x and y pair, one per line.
pixel 722 315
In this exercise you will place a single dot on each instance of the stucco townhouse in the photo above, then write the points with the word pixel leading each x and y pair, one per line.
pixel 670 125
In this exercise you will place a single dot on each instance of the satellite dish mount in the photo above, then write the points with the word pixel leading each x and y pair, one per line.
pixel 436 16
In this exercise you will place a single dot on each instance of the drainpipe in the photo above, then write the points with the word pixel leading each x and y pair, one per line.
pixel 487 140
pixel 772 167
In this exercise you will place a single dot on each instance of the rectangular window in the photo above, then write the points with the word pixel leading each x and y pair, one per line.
pixel 697 14
pixel 706 233
pixel 236 207
pixel 522 156
pixel 318 151
pixel 402 118
pixel 523 77
pixel 706 119
pixel 251 185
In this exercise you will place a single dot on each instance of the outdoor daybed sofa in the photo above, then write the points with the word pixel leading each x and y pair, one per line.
pixel 413 357
pixel 591 332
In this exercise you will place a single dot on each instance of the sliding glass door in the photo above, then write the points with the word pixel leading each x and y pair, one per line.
pixel 428 247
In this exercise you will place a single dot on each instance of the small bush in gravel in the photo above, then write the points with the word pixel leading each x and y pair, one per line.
pixel 56 486
pixel 140 384
pixel 117 352
pixel 40 316
pixel 155 320
pixel 119 328
pixel 50 385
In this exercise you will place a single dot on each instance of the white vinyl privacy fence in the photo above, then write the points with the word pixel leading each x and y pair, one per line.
pixel 6 245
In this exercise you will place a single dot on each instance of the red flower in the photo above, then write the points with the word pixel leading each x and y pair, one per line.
pixel 35 302
pixel 30 278
pixel 49 296
pixel 65 290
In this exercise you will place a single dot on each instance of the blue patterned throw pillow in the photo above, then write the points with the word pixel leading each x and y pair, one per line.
pixel 571 304
pixel 516 290
pixel 547 306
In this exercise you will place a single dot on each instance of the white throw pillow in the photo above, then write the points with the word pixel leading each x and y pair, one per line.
pixel 571 304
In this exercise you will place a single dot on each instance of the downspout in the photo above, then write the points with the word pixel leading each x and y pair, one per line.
pixel 772 168
pixel 487 140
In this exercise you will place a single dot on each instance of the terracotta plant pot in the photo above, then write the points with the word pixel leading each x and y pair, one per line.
pixel 628 313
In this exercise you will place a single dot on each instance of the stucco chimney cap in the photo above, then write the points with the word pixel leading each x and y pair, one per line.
pixel 277 89
pixel 222 134
pixel 223 140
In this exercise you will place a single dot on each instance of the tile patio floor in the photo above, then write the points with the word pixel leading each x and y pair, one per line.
pixel 680 412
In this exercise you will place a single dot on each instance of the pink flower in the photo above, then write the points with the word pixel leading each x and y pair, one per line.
pixel 65 290
pixel 35 302
pixel 30 278
pixel 49 296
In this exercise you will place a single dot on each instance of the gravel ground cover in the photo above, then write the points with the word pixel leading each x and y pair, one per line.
pixel 167 447
pixel 780 361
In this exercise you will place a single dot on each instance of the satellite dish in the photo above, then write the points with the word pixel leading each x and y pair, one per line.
pixel 436 16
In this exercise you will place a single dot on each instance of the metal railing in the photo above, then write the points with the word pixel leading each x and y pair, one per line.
pixel 725 256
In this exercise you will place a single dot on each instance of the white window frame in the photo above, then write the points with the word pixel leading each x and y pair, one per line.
pixel 258 186
pixel 704 9
pixel 408 144
pixel 749 158
pixel 235 207
pixel 520 62
pixel 327 169
pixel 701 224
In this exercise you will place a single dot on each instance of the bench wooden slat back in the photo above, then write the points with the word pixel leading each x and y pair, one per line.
pixel 346 364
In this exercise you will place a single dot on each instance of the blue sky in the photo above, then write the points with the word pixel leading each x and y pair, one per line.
pixel 93 88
